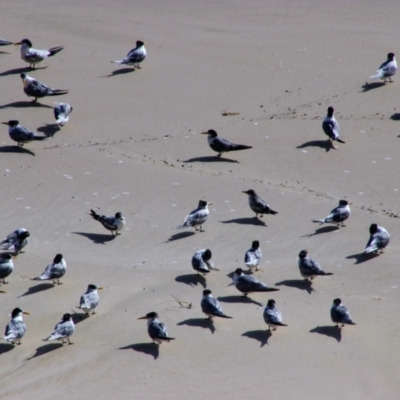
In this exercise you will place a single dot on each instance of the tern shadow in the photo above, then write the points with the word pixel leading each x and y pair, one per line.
pixel 245 221
pixel 239 299
pixel 361 257
pixel 5 347
pixel 16 149
pixel 47 348
pixel 324 229
pixel 4 52
pixel 18 71
pixel 260 335
pixel 146 348
pixel 180 235
pixel 329 330
pixel 395 117
pixel 301 284
pixel 38 288
pixel 192 280
pixel 24 104
pixel 199 322
pixel 79 317
pixel 323 144
pixel 117 72
pixel 373 85
pixel 98 238
pixel 210 159
pixel 49 129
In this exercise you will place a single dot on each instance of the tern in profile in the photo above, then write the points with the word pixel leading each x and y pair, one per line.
pixel 55 271
pixel 20 134
pixel 34 88
pixel 197 217
pixel 340 314
pixel 248 284
pixel 309 268
pixel 387 69
pixel 63 330
pixel 135 56
pixel 113 224
pixel 211 306
pixel 15 329
pixel 90 300
pixel 258 204
pixel 156 329
pixel 338 215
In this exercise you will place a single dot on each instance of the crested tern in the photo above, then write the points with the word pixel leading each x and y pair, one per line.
pixel 211 306
pixel 6 266
pixel 221 145
pixel 331 128
pixel 272 316
pixel 156 329
pixel 15 329
pixel 61 113
pixel 33 56
pixel 309 268
pixel 90 299
pixel 340 314
pixel 16 241
pixel 20 134
pixel 387 69
pixel 378 240
pixel 248 284
pixel 34 88
pixel 135 56
pixel 258 204
pixel 55 271
pixel 201 261
pixel 197 217
pixel 113 224
pixel 63 330
pixel 253 256
pixel 338 215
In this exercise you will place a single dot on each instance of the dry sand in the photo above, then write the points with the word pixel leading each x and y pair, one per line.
pixel 133 145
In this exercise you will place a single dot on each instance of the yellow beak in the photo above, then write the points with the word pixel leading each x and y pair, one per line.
pixel 5 123
pixel 100 288
pixel 204 133
pixel 143 317
pixel 16 44
pixel 26 313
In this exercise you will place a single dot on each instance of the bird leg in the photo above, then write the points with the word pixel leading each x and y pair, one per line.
pixel 69 341
pixel 245 294
pixel 201 228
pixel 219 155
pixel 34 100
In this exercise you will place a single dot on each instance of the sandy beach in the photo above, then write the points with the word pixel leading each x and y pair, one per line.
pixel 133 145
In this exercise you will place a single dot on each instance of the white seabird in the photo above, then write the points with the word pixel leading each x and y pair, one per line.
pixel 201 261
pixel 63 330
pixel 338 215
pixel 33 56
pixel 340 314
pixel 156 329
pixel 309 268
pixel 331 128
pixel 135 56
pixel 20 134
pixel 15 241
pixel 6 267
pixel 272 316
pixel 253 256
pixel 197 217
pixel 387 69
pixel 378 240
pixel 90 299
pixel 15 329
pixel 55 271
pixel 61 113
pixel 113 224
pixel 248 284
pixel 258 204
pixel 211 306
pixel 34 88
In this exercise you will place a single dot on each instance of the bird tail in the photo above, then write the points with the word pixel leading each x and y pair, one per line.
pixel 55 50
pixel 95 215
pixel 119 62
pixel 371 249
pixel 58 92
pixel 235 147
pixel 272 212
pixel 270 289
pixel 323 273
pixel 280 324
pixel 40 138
pixel 225 316
pixel 377 76
pixel 170 338
pixel 321 221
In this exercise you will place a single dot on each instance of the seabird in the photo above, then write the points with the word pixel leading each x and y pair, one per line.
pixel 61 113
pixel 34 88
pixel 272 316
pixel 338 215
pixel 197 216
pixel 20 134
pixel 135 56
pixel 90 299
pixel 16 241
pixel 6 267
pixel 210 306
pixel 387 69
pixel 4 42
pixel 54 271
pixel 113 224
pixel 253 256
pixel 34 56
pixel 340 314
pixel 201 261
pixel 258 204
pixel 156 329
pixel 331 128
pixel 309 268
pixel 15 329
pixel 378 240
pixel 248 284
pixel 63 330
pixel 221 145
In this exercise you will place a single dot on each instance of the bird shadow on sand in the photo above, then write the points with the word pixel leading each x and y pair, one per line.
pixel 180 235
pixel 329 330
pixel 192 280
pixel 98 238
pixel 38 288
pixel 49 129
pixel 18 71
pixel 47 348
pixel 301 284
pixel 4 52
pixel 210 159
pixel 5 347
pixel 370 86
pixel 117 72
pixel 261 336
pixel 324 229
pixel 78 317
pixel 16 149
pixel 199 323
pixel 395 117
pixel 323 144
pixel 361 257
pixel 24 104
pixel 146 348
pixel 239 299
pixel 245 221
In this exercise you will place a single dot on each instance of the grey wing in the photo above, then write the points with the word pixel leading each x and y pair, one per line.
pixel 249 284
pixel 196 217
pixel 158 331
pixel 109 223
pixel 220 144
pixel 211 306
pixel 313 267
pixel 273 316
pixel 338 214
pixel 341 314
pixel 250 258
pixel 329 128
pixel 83 303
pixel 20 134
pixel 134 56
pixel 37 89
